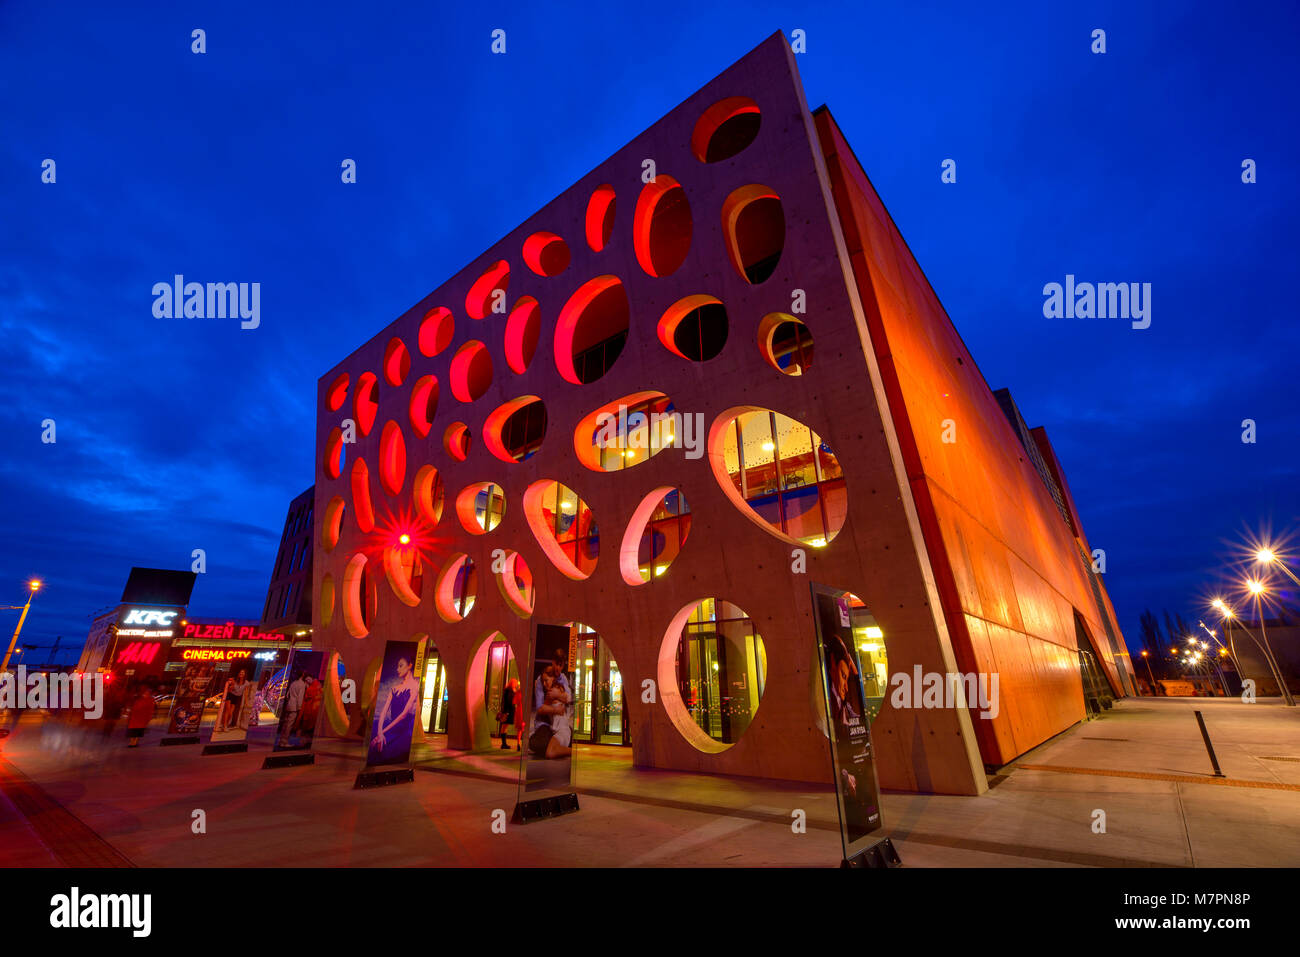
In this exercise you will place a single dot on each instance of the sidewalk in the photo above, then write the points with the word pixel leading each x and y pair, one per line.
pixel 1143 764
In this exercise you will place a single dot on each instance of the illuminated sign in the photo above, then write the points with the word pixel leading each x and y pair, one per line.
pixel 216 654
pixel 147 616
pixel 139 653
pixel 229 630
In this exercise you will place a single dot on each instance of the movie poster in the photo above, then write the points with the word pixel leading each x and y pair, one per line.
pixel 549 704
pixel 848 726
pixel 192 690
pixel 397 700
pixel 300 701
pixel 235 708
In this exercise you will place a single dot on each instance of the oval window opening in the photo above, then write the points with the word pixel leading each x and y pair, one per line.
pixel 564 527
pixel 661 226
pixel 725 128
pixel 334 453
pixel 655 536
pixel 781 475
pixel 514 431
pixel 488 290
pixel 456 440
pixel 626 432
pixel 436 330
pixel 694 328
pixel 404 569
pixel 457 588
pixel 366 404
pixel 337 393
pixel 546 254
pixel 397 362
pixel 523 329
pixel 326 600
pixel 361 507
pixel 515 582
pixel 480 507
pixel 427 489
pixel 600 217
pixel 591 330
pixel 332 526
pixel 424 404
pixel 753 225
pixel 785 343
pixel 360 597
pixel 392 458
pixel 471 371
pixel 712 673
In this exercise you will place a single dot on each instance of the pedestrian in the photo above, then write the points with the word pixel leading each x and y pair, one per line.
pixel 142 711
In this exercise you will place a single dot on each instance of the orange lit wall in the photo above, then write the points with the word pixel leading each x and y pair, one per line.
pixel 1005 562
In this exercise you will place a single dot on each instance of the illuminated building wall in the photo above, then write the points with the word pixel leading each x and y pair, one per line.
pixel 516 455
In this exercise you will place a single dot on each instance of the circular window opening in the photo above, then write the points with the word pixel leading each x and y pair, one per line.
pixel 326 600
pixel 712 673
pixel 514 431
pixel 337 393
pixel 471 371
pixel 332 526
pixel 427 489
pixel 753 225
pixel 780 473
pixel 626 432
pixel 366 404
pixel 456 440
pixel 436 330
pixel 546 254
pixel 564 527
pixel 397 362
pixel 523 329
pixel 361 506
pixel 392 458
pixel 661 226
pixel 404 569
pixel 785 343
pixel 515 581
pixel 456 589
pixel 725 128
pixel 424 404
pixel 694 328
pixel 591 330
pixel 655 536
pixel 488 294
pixel 480 507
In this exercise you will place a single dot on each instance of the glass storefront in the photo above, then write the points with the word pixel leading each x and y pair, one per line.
pixel 433 707
pixel 721 669
pixel 598 715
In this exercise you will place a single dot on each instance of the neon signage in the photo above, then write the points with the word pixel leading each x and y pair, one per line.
pixel 230 631
pixel 139 653
pixel 216 654
pixel 147 616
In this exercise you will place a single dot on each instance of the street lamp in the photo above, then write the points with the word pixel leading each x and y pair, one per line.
pixel 1146 656
pixel 33 587
pixel 1258 588
pixel 1266 556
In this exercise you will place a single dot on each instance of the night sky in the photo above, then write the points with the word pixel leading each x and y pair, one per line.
pixel 182 434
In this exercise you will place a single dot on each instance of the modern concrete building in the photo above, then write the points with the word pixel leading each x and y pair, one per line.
pixel 705 375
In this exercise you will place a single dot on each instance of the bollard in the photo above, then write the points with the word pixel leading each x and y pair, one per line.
pixel 1208 747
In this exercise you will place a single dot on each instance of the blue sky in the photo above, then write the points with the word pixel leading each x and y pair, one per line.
pixel 176 435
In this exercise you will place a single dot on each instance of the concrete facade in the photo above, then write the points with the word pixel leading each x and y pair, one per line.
pixel 960 551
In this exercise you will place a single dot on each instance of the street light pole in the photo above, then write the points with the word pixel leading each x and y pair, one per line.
pixel 32 588
pixel 1263 631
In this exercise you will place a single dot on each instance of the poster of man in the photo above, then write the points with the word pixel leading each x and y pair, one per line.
pixel 848 728
pixel 235 709
pixel 396 701
pixel 300 704
pixel 191 695
pixel 548 738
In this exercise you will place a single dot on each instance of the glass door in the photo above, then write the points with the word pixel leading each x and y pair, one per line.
pixel 584 672
pixel 612 726
pixel 433 707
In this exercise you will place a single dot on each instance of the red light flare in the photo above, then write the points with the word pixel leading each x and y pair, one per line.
pixel 405 529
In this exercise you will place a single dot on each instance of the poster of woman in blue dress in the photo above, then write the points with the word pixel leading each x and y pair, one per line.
pixel 396 702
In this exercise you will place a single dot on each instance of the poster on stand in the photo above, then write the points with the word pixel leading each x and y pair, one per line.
pixel 192 690
pixel 234 706
pixel 300 701
pixel 397 700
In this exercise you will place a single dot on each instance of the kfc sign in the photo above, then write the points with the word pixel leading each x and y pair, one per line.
pixel 148 616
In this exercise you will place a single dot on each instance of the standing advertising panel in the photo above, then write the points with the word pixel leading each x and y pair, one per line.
pixel 397 702
pixel 546 758
pixel 192 690
pixel 300 701
pixel 853 762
